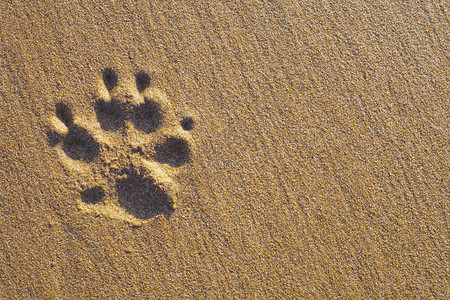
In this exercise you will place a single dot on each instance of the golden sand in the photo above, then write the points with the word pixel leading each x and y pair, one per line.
pixel 227 149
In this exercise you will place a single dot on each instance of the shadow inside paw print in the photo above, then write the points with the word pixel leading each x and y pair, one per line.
pixel 142 81
pixel 141 197
pixel 93 195
pixel 78 144
pixel 110 78
pixel 110 115
pixel 187 123
pixel 174 151
pixel 147 117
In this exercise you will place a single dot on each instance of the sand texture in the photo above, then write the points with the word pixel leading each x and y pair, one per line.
pixel 224 149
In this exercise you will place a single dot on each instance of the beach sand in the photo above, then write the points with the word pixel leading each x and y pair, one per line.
pixel 228 149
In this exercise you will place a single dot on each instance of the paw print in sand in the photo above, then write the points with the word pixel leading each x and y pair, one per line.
pixel 125 158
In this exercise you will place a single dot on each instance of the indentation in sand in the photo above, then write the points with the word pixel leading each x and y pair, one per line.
pixel 126 156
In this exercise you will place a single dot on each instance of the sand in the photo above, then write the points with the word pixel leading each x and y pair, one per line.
pixel 227 149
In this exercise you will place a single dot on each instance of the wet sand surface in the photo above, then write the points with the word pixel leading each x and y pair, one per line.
pixel 228 149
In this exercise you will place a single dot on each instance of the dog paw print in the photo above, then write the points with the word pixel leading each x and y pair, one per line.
pixel 125 157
